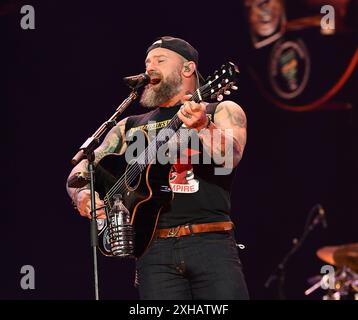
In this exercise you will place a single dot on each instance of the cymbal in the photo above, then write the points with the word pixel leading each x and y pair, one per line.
pixel 341 256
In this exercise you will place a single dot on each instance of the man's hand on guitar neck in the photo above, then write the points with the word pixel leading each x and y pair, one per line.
pixel 193 114
pixel 83 203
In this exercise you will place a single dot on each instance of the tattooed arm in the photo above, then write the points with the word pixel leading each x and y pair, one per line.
pixel 225 138
pixel 114 142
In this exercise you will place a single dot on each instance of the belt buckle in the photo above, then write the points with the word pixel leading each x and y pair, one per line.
pixel 173 232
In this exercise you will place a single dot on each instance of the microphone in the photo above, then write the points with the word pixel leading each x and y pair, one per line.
pixel 137 81
pixel 322 215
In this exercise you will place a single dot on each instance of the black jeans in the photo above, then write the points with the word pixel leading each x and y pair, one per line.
pixel 199 266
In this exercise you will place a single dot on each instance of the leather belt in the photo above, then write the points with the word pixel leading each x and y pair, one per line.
pixel 188 229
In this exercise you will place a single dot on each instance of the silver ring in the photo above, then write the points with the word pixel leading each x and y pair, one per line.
pixel 186 115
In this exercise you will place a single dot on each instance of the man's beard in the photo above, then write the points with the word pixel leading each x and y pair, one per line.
pixel 166 90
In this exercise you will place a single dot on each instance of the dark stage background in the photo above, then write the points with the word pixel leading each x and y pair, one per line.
pixel 63 79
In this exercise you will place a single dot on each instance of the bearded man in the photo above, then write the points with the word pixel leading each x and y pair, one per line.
pixel 200 259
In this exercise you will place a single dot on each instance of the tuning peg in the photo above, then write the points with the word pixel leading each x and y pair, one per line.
pixel 234 88
pixel 220 97
pixel 227 92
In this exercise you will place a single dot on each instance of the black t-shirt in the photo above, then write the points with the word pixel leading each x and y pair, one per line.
pixel 200 196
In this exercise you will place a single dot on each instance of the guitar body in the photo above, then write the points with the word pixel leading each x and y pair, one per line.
pixel 144 198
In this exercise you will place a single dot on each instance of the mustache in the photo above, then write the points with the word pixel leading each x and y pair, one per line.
pixel 154 74
pixel 155 77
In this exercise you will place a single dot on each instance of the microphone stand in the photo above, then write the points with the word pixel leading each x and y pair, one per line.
pixel 87 152
pixel 280 271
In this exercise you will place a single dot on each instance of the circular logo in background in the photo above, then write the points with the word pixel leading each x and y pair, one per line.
pixel 289 68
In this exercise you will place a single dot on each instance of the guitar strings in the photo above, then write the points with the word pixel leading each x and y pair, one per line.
pixel 133 171
pixel 148 152
pixel 146 156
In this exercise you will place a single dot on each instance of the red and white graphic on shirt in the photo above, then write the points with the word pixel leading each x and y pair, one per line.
pixel 182 176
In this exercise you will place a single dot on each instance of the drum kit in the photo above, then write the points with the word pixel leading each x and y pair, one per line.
pixel 341 282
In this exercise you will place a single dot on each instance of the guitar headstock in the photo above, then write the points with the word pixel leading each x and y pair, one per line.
pixel 219 84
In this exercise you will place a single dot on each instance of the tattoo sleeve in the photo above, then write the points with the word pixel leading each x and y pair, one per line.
pixel 114 142
pixel 226 136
